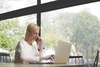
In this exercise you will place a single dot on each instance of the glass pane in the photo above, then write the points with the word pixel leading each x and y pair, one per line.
pixel 12 30
pixel 46 1
pixel 10 5
pixel 78 24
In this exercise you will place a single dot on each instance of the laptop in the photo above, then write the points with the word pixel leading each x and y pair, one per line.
pixel 61 54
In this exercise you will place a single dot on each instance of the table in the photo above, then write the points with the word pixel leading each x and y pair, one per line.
pixel 38 65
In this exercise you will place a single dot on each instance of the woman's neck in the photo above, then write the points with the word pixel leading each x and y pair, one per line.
pixel 29 42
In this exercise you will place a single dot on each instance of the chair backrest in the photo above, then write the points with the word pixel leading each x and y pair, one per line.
pixel 5 57
pixel 77 58
pixel 95 64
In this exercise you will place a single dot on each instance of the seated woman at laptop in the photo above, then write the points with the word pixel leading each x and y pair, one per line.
pixel 26 50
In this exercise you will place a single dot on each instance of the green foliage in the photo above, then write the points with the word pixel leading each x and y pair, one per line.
pixel 85 29
pixel 11 33
pixel 81 28
pixel 51 40
pixel 4 40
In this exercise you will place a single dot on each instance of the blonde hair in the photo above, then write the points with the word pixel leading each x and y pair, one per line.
pixel 31 28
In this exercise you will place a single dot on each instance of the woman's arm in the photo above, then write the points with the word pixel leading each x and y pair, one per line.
pixel 25 55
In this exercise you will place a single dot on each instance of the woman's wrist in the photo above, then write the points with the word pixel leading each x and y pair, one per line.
pixel 40 48
pixel 41 58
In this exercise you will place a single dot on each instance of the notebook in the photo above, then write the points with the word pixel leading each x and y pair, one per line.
pixel 61 54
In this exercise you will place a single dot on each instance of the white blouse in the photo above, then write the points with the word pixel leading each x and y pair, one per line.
pixel 27 53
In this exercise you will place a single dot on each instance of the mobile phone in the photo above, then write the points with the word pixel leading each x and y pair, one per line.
pixel 36 39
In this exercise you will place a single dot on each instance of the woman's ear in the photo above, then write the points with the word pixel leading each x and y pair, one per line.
pixel 28 33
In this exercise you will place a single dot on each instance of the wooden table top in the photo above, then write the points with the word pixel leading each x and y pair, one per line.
pixel 38 65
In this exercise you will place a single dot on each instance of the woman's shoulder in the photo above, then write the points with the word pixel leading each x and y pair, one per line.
pixel 21 42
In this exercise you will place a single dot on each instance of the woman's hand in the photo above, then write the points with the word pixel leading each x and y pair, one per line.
pixel 51 57
pixel 39 42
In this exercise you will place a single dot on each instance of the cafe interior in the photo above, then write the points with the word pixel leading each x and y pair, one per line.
pixel 77 21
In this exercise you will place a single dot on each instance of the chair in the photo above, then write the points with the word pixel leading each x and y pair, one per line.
pixel 5 57
pixel 77 57
pixel 95 64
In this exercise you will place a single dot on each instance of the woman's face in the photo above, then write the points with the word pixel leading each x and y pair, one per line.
pixel 34 35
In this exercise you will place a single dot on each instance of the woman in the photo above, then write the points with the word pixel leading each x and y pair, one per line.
pixel 26 50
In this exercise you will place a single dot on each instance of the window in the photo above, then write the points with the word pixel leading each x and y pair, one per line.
pixel 78 24
pixel 10 5
pixel 46 1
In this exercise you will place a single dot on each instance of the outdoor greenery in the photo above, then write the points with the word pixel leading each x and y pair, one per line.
pixel 81 28
pixel 10 33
